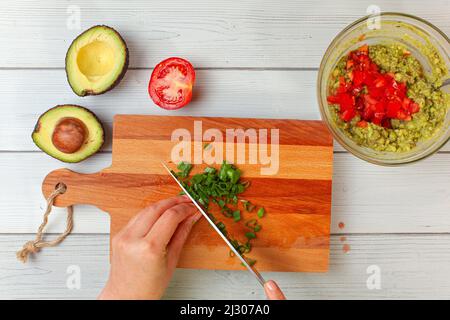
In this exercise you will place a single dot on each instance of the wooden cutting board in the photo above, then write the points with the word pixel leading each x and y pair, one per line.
pixel 296 229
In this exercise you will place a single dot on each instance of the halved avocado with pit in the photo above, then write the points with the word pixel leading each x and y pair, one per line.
pixel 69 133
pixel 96 61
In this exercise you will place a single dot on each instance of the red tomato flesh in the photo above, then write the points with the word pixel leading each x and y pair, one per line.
pixel 375 96
pixel 170 85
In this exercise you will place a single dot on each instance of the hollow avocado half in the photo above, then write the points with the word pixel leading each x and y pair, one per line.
pixel 96 61
pixel 69 133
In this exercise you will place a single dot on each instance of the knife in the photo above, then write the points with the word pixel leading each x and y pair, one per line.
pixel 227 241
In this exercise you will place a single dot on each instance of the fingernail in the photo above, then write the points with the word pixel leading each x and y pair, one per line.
pixel 272 286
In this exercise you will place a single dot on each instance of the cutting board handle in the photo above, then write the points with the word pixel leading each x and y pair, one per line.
pixel 81 188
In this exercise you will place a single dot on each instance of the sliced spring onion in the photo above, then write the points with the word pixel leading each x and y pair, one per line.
pixel 248 206
pixel 227 212
pixel 261 212
pixel 185 168
pixel 237 215
pixel 250 235
pixel 222 187
pixel 251 223
pixel 210 170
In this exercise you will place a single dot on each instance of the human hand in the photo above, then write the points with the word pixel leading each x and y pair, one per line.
pixel 146 251
pixel 273 291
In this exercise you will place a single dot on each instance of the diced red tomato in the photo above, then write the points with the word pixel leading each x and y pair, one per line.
pixel 379 81
pixel 358 77
pixel 376 97
pixel 393 108
pixel 350 64
pixel 414 108
pixel 362 124
pixel 363 49
pixel 348 114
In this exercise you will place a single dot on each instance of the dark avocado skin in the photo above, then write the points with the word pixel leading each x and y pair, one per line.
pixel 38 125
pixel 119 78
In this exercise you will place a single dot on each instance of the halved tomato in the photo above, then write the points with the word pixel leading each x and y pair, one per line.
pixel 170 85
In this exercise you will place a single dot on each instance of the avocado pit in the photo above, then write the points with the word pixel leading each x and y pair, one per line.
pixel 69 135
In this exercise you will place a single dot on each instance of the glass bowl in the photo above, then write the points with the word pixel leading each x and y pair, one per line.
pixel 412 32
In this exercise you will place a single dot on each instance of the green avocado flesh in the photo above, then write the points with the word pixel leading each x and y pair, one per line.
pixel 65 123
pixel 425 90
pixel 96 61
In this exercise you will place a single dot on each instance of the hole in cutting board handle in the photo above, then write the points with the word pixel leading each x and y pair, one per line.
pixel 62 185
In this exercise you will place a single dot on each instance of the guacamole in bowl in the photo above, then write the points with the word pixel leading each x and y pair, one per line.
pixel 380 89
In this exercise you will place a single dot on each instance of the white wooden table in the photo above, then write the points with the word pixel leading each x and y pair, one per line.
pixel 253 58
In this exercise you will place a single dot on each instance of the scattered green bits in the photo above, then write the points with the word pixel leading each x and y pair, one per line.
pixel 248 206
pixel 250 235
pixel 237 215
pixel 251 223
pixel 222 187
pixel 251 262
pixel 185 168
pixel 261 212
pixel 210 170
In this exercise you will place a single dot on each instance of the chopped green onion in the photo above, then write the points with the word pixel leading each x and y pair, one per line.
pixel 248 206
pixel 261 212
pixel 222 186
pixel 220 225
pixel 210 170
pixel 246 184
pixel 227 212
pixel 237 215
pixel 250 235
pixel 185 168
pixel 251 262
pixel 251 223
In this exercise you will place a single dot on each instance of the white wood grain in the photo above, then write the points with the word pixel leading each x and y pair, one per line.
pixel 210 33
pixel 227 93
pixel 411 267
pixel 367 198
pixel 221 93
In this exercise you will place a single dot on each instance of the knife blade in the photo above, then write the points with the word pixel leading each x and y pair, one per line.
pixel 250 268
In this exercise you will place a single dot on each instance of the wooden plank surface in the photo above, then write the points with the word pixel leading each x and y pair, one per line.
pixel 363 195
pixel 410 267
pixel 300 210
pixel 220 93
pixel 254 33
